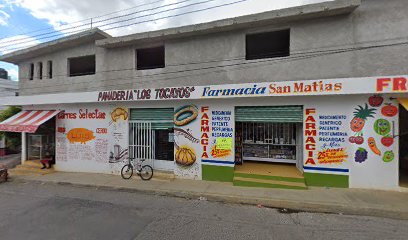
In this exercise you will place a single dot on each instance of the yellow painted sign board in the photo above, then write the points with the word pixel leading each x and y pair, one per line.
pixel 224 143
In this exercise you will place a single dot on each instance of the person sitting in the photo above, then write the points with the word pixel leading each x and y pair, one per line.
pixel 49 159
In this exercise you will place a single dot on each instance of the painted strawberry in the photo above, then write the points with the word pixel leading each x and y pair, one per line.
pixel 375 100
pixel 387 141
pixel 361 155
pixel 360 116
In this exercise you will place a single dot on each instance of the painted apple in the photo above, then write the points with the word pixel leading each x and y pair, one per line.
pixel 388 156
pixel 389 110
pixel 387 141
pixel 375 100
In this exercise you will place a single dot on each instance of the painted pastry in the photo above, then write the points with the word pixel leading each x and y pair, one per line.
pixel 119 113
pixel 185 115
pixel 185 156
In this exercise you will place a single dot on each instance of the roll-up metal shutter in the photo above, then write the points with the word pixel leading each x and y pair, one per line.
pixel 280 114
pixel 160 118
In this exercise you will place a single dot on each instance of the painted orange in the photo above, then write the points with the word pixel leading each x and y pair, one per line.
pixel 81 135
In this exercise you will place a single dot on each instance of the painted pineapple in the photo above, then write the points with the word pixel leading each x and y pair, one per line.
pixel 360 116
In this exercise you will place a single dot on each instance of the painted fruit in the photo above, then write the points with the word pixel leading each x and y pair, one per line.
pixel 361 155
pixel 375 100
pixel 357 124
pixel 185 156
pixel 388 156
pixel 360 116
pixel 382 127
pixel 359 140
pixel 389 110
pixel 352 139
pixel 387 141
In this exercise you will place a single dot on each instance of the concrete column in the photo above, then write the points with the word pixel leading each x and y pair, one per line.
pixel 23 147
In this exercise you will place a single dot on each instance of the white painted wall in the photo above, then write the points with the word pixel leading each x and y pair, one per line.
pixel 93 155
pixel 372 173
pixel 8 88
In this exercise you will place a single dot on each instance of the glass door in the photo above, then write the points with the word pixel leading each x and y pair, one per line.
pixel 35 147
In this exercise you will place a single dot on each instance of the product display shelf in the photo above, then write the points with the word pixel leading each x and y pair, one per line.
pixel 269 152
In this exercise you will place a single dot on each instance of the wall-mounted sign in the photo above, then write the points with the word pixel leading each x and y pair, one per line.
pixel 224 143
pixel 367 85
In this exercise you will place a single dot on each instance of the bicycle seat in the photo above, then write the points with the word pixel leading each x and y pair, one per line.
pixel 142 160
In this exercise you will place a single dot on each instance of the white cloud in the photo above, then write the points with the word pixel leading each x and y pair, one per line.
pixel 57 12
pixel 4 16
pixel 18 42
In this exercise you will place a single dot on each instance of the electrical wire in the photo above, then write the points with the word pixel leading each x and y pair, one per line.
pixel 60 31
pixel 126 20
pixel 83 20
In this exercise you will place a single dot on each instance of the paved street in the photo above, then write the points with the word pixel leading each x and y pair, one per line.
pixel 50 211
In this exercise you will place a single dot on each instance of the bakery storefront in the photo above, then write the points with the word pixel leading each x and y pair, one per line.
pixel 293 134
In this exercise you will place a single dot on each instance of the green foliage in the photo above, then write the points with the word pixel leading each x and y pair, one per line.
pixel 13 140
pixel 364 112
pixel 9 112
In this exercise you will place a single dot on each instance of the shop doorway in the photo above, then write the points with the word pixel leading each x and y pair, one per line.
pixel 269 135
pixel 41 144
pixel 151 136
pixel 403 147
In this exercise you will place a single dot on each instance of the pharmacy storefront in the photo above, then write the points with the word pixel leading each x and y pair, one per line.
pixel 334 132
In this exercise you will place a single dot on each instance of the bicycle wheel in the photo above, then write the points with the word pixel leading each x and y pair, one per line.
pixel 146 173
pixel 127 171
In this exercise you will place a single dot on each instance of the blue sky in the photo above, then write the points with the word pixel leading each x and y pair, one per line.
pixel 20 21
pixel 20 17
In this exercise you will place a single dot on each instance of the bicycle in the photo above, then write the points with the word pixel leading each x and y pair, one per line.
pixel 144 171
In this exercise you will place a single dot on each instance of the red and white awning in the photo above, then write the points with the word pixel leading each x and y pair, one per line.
pixel 27 121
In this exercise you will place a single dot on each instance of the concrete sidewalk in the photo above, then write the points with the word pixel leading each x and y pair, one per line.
pixel 389 204
pixel 11 160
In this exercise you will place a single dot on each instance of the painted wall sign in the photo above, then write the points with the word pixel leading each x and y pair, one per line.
pixel 287 88
pixel 146 94
pixel 187 142
pixel 92 139
pixel 310 135
pixel 320 87
pixel 224 143
pixel 80 135
pixel 82 114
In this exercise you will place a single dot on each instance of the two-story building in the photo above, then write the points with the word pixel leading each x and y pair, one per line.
pixel 290 98
pixel 7 88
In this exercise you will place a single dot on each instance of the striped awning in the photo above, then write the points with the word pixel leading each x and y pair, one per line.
pixel 27 121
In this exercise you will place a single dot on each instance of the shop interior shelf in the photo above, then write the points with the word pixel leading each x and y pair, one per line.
pixel 269 159
pixel 273 144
